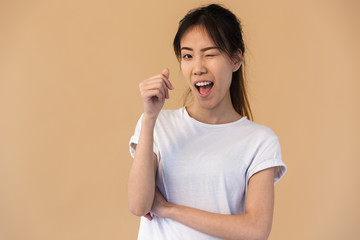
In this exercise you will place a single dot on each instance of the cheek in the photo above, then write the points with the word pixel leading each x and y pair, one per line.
pixel 225 74
pixel 185 71
pixel 183 67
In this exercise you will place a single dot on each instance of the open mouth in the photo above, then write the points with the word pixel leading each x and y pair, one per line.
pixel 204 88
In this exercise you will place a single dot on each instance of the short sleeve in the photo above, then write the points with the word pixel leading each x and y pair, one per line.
pixel 267 156
pixel 135 139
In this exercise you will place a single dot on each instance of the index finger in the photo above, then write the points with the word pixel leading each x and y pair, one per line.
pixel 167 82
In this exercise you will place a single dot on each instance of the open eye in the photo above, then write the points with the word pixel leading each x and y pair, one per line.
pixel 186 56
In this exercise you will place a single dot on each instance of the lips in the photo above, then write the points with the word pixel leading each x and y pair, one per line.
pixel 204 87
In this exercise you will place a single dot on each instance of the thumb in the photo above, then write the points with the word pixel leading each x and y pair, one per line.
pixel 165 72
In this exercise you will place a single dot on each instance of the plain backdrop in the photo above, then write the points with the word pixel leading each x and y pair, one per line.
pixel 69 102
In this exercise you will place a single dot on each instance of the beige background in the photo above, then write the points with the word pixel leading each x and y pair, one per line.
pixel 69 102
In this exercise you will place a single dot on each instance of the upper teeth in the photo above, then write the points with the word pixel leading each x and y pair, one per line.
pixel 202 83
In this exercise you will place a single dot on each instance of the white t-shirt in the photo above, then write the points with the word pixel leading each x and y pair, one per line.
pixel 206 166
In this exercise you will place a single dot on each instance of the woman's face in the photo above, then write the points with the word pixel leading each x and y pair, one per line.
pixel 208 70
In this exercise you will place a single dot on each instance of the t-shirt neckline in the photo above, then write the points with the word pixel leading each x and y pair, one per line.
pixel 220 125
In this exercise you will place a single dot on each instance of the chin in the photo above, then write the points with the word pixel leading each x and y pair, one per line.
pixel 207 104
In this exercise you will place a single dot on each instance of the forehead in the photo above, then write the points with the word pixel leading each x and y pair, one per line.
pixel 196 36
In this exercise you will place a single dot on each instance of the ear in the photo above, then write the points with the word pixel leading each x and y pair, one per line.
pixel 237 60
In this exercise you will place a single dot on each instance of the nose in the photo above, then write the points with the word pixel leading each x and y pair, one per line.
pixel 199 67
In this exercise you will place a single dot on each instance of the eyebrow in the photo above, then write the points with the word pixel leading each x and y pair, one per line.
pixel 202 50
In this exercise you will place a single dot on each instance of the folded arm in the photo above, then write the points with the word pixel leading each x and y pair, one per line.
pixel 254 224
pixel 141 182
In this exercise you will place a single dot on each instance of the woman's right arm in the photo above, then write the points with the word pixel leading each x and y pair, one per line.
pixel 141 181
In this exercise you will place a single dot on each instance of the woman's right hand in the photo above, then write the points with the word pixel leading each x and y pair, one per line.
pixel 154 91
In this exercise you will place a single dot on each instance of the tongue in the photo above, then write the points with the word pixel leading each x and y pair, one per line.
pixel 205 89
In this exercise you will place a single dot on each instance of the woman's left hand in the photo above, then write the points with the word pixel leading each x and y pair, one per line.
pixel 160 205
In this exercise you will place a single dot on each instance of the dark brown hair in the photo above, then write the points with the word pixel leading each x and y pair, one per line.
pixel 224 29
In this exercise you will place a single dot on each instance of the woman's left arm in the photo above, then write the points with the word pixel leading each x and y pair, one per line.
pixel 255 223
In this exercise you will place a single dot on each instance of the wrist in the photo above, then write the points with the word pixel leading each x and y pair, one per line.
pixel 170 210
pixel 148 122
pixel 149 118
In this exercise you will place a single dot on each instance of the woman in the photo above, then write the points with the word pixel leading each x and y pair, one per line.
pixel 204 171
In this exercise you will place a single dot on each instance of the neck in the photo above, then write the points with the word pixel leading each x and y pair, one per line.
pixel 216 115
